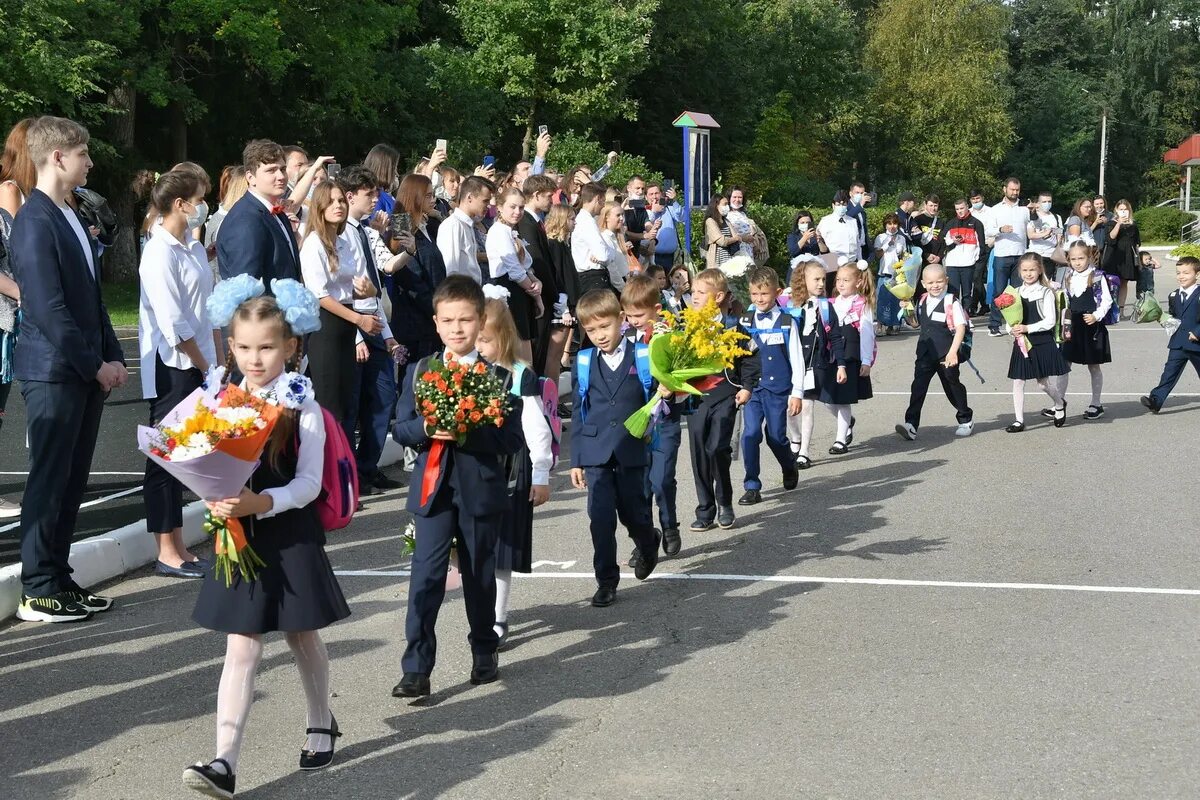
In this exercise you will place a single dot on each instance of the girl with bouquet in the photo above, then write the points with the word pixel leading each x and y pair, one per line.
pixel 1035 354
pixel 295 590
pixel 849 322
pixel 497 344
pixel 808 293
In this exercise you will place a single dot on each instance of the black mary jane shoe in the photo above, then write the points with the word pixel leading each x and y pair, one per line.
pixel 1060 417
pixel 210 782
pixel 838 449
pixel 803 462
pixel 850 433
pixel 319 759
pixel 503 641
pixel 1016 427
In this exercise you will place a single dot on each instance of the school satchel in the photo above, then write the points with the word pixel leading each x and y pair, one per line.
pixel 339 478
pixel 1146 309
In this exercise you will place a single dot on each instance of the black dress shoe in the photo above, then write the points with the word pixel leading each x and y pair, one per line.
pixel 1149 403
pixel 384 482
pixel 314 759
pixel 839 448
pixel 803 462
pixel 485 669
pixel 635 558
pixel 700 526
pixel 1016 427
pixel 1060 417
pixel 413 684
pixel 648 561
pixel 850 433
pixel 725 517
pixel 791 480
pixel 604 596
pixel 503 626
pixel 671 541
pixel 367 490
pixel 211 782
pixel 751 497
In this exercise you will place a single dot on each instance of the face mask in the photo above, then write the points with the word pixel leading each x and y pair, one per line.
pixel 198 216
pixel 736 206
pixel 1045 206
pixel 857 198
pixel 1123 213
pixel 977 205
pixel 803 227
pixel 724 210
pixel 839 211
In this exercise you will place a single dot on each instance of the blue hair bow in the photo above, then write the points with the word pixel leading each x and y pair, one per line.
pixel 229 294
pixel 299 305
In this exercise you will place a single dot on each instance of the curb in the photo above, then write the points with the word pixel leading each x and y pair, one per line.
pixel 109 555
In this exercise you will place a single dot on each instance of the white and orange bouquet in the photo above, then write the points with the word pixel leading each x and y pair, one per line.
pixel 211 443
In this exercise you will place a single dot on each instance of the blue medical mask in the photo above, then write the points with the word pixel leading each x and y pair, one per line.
pixel 1045 205
pixel 839 211
pixel 978 204
pixel 857 198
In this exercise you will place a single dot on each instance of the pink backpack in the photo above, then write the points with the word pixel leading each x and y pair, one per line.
pixel 339 478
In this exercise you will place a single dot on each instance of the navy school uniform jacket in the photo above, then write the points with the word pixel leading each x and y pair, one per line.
pixel 251 241
pixel 1188 314
pixel 598 431
pixel 66 334
pixel 770 348
pixel 476 468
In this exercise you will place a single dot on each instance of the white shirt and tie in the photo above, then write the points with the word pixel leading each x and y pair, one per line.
pixel 456 241
pixel 359 245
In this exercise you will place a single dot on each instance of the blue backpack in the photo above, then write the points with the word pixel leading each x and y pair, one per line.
pixel 583 374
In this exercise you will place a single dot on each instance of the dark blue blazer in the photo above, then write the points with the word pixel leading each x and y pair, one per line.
pixel 251 241
pixel 413 287
pixel 474 470
pixel 1188 315
pixel 599 434
pixel 66 334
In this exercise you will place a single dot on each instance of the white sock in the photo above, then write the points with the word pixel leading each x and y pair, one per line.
pixel 312 660
pixel 235 694
pixel 503 589
pixel 1019 400
pixel 1097 383
pixel 808 419
pixel 842 413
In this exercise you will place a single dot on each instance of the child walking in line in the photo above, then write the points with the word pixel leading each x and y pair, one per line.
pixel 1184 346
pixel 808 293
pixel 1089 302
pixel 497 344
pixel 296 591
pixel 850 323
pixel 1035 354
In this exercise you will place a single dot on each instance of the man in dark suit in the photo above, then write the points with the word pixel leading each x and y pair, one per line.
pixel 1184 305
pixel 458 492
pixel 256 235
pixel 68 361
pixel 539 194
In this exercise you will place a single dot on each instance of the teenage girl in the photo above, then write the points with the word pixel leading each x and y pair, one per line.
pixel 808 291
pixel 1044 362
pixel 296 592
pixel 1089 335
pixel 497 344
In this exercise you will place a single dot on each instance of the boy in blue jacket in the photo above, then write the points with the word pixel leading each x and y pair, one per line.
pixel 1183 305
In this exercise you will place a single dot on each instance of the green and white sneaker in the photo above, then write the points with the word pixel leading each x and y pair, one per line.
pixel 92 602
pixel 59 607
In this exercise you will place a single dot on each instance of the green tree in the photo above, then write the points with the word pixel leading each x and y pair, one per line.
pixel 941 93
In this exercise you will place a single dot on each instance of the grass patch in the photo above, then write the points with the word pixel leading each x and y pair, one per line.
pixel 121 299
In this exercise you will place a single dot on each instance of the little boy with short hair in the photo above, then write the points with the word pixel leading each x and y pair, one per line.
pixel 943 325
pixel 775 344
pixel 1184 346
pixel 606 459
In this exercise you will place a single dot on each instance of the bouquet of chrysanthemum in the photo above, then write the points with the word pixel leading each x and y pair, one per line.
pixel 456 398
pixel 735 270
pixel 211 443
pixel 697 345
pixel 902 287
pixel 1008 303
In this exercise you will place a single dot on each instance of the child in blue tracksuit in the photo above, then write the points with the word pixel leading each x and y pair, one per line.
pixel 1184 305
pixel 641 300
pixel 775 343
pixel 613 380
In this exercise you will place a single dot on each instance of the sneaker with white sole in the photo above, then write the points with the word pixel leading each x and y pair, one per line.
pixel 9 509
pixel 965 429
pixel 906 431
pixel 55 608
pixel 82 597
pixel 1093 412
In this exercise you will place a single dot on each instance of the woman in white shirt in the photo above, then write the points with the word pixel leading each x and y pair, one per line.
pixel 331 358
pixel 612 231
pixel 510 265
pixel 177 344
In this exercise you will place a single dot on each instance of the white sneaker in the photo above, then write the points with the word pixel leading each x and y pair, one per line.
pixel 9 509
pixel 966 429
pixel 907 431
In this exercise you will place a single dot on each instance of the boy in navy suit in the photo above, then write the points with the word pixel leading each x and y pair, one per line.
pixel 1183 305
pixel 68 361
pixel 466 504
pixel 775 344
pixel 605 458
pixel 256 236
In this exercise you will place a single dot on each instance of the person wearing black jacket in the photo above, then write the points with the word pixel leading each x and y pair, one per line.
pixel 539 192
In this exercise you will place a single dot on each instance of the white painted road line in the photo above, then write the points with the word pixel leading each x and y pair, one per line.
pixel 88 504
pixel 693 576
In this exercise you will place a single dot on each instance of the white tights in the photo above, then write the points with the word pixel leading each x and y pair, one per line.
pixel 503 589
pixel 1055 386
pixel 800 428
pixel 842 413
pixel 1097 377
pixel 243 653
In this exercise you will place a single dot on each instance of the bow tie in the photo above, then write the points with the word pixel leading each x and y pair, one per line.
pixel 278 209
pixel 764 315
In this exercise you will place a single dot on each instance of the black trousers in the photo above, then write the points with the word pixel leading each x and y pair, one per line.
pixel 928 364
pixel 710 436
pixel 63 420
pixel 617 493
pixel 163 494
pixel 594 279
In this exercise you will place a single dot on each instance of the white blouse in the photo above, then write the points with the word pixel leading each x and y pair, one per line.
pixel 1044 297
pixel 503 260
pixel 538 439
pixel 314 268
pixel 1080 282
pixel 310 460
pixel 617 263
pixel 175 285
pixel 866 326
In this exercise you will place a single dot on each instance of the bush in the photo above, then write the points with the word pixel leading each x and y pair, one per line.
pixel 1161 224
pixel 570 148
pixel 1183 250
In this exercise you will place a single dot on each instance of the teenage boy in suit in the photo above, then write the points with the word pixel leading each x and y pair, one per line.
pixel 539 192
pixel 257 237
pixel 605 458
pixel 68 361
pixel 466 500
pixel 1184 305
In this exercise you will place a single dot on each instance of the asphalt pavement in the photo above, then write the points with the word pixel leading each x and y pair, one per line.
pixel 1003 616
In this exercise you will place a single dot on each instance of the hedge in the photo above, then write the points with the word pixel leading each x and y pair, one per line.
pixel 1161 224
